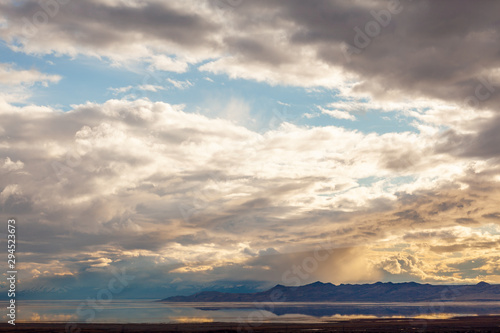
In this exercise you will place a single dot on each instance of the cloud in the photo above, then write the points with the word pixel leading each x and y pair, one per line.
pixel 337 114
pixel 482 142
pixel 15 83
pixel 164 63
pixel 9 165
pixel 144 87
pixel 180 84
pixel 119 30
pixel 12 77
pixel 404 265
pixel 130 179
pixel 434 63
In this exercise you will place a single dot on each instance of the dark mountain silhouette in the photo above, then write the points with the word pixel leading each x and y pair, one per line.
pixel 377 292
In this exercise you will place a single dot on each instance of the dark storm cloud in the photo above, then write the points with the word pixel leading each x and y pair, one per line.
pixel 433 49
pixel 101 25
pixel 422 48
pixel 430 48
pixel 484 144
pixel 257 50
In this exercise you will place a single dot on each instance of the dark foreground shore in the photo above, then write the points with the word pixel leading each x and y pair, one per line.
pixel 460 324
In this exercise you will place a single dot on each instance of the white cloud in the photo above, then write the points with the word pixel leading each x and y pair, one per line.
pixel 337 114
pixel 164 63
pixel 307 73
pixel 144 87
pixel 13 77
pixel 120 90
pixel 15 83
pixel 180 84
pixel 9 165
pixel 311 115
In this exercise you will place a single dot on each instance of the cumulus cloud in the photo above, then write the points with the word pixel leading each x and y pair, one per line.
pixel 138 178
pixel 9 165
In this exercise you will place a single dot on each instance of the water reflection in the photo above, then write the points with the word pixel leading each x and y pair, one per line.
pixel 148 311
pixel 368 310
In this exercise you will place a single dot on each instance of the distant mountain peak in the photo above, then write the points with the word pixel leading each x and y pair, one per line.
pixel 278 286
pixel 317 283
pixel 377 292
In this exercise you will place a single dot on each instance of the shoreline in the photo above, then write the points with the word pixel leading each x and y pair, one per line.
pixel 457 324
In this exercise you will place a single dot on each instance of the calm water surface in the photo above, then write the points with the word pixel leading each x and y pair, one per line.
pixel 149 311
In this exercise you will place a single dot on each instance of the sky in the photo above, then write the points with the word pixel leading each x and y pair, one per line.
pixel 237 144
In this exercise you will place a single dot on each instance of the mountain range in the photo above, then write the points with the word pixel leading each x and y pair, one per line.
pixel 376 292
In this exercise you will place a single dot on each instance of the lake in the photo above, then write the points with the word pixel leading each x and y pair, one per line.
pixel 149 311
